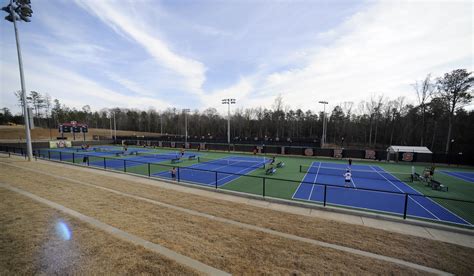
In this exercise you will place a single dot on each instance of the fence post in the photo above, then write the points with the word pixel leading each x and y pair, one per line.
pixel 149 175
pixel 325 192
pixel 405 209
pixel 124 165
pixel 216 180
pixel 60 156
pixel 264 180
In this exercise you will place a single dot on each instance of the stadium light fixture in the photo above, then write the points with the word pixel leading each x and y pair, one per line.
pixel 228 102
pixel 185 111
pixel 20 10
pixel 323 137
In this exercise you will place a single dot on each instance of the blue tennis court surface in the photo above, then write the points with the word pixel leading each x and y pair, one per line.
pixel 372 177
pixel 205 173
pixel 466 176
pixel 114 161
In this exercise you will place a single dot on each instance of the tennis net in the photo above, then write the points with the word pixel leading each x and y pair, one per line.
pixel 111 150
pixel 234 162
pixel 367 174
pixel 157 155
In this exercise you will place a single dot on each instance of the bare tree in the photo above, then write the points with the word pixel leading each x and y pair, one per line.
pixel 424 90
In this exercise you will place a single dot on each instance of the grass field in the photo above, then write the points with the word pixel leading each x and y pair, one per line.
pixel 284 183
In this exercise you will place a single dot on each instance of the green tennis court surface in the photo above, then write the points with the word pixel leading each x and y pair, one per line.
pixel 244 173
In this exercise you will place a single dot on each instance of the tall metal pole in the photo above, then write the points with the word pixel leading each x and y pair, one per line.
pixel 228 102
pixel 111 131
pixel 29 148
pixel 161 124
pixel 228 125
pixel 185 111
pixel 115 129
pixel 323 136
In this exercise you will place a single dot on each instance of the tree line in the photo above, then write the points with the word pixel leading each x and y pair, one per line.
pixel 437 120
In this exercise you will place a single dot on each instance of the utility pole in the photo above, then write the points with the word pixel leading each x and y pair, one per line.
pixel 323 137
pixel 161 123
pixel 228 102
pixel 21 10
pixel 185 111
pixel 115 129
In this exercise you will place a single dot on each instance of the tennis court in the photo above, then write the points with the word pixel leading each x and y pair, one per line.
pixel 466 176
pixel 217 172
pixel 373 187
pixel 387 198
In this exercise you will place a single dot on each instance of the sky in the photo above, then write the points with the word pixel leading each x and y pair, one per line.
pixel 194 53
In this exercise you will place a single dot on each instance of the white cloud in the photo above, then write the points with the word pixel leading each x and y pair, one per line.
pixel 381 50
pixel 120 16
pixel 70 88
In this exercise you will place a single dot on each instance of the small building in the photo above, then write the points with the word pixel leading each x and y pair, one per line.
pixel 409 154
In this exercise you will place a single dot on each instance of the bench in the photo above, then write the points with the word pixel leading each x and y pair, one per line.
pixel 280 165
pixel 419 177
pixel 192 157
pixel 436 185
pixel 270 171
pixel 176 160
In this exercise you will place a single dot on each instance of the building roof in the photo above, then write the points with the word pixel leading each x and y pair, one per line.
pixel 408 149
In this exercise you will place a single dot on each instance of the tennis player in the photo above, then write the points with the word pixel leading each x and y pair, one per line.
pixel 173 173
pixel 347 178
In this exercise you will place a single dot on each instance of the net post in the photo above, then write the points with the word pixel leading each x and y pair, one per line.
pixel 60 156
pixel 179 177
pixel 263 182
pixel 49 154
pixel 124 165
pixel 87 161
pixel 216 180
pixel 325 193
pixel 105 164
pixel 73 158
pixel 405 208
pixel 301 168
pixel 149 173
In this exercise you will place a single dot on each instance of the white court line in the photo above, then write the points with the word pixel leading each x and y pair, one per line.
pixel 459 176
pixel 404 192
pixel 315 178
pixel 434 202
pixel 293 197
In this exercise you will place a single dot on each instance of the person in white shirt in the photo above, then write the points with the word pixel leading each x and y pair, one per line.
pixel 347 178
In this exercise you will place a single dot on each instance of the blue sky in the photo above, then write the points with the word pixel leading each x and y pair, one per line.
pixel 191 54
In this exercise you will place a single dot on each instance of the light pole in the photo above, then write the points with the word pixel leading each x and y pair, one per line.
pixel 228 102
pixel 185 111
pixel 161 124
pixel 115 129
pixel 323 137
pixel 21 10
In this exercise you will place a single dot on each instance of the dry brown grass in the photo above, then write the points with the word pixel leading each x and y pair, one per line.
pixel 221 245
pixel 18 132
pixel 30 245
pixel 444 256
